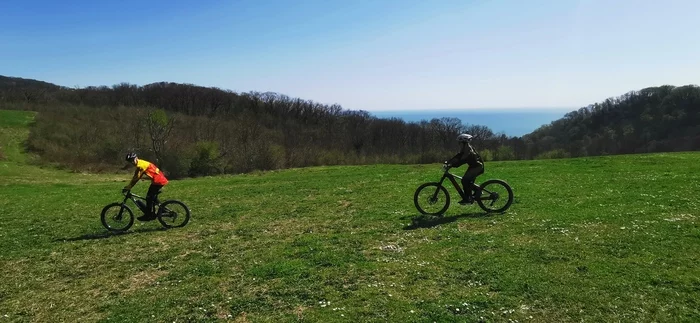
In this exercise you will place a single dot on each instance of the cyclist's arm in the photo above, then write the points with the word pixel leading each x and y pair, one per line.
pixel 135 179
pixel 456 161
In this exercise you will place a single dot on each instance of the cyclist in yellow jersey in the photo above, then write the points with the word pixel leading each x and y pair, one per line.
pixel 158 180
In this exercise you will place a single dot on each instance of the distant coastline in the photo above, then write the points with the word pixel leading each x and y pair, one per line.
pixel 512 122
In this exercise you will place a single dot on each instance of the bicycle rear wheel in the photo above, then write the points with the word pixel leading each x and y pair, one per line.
pixel 431 199
pixel 496 196
pixel 173 214
pixel 117 217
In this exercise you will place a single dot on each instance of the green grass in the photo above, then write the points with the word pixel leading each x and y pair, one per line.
pixel 14 162
pixel 13 130
pixel 607 239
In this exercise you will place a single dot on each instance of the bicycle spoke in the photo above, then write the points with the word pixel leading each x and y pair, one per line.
pixel 117 217
pixel 173 214
pixel 498 194
pixel 430 198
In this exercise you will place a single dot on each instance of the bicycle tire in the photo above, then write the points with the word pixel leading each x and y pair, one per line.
pixel 509 200
pixel 122 208
pixel 164 208
pixel 421 208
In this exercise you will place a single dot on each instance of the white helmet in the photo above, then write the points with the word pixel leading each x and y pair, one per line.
pixel 464 138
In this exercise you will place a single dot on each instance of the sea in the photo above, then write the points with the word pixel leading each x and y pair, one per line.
pixel 512 122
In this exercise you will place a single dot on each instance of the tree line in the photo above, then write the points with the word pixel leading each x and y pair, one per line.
pixel 654 119
pixel 193 131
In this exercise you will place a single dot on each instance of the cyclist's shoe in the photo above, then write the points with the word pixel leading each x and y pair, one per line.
pixel 466 201
pixel 147 217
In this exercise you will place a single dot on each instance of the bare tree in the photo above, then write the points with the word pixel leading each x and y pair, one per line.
pixel 159 127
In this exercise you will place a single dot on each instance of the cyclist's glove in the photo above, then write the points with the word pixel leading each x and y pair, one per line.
pixel 124 190
pixel 446 166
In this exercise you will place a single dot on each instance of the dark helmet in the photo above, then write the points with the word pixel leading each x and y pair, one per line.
pixel 130 157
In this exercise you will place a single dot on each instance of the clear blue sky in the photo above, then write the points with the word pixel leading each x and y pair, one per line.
pixel 372 55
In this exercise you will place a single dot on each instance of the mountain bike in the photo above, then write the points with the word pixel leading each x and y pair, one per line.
pixel 118 216
pixel 432 198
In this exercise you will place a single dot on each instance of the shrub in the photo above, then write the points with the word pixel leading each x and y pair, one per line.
pixel 505 153
pixel 206 159
pixel 175 165
pixel 486 155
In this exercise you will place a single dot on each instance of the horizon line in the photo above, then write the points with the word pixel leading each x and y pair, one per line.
pixel 477 109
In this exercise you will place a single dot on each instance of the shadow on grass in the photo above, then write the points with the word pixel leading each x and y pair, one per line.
pixel 106 234
pixel 428 221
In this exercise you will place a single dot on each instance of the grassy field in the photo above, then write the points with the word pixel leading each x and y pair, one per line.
pixel 607 239
pixel 13 130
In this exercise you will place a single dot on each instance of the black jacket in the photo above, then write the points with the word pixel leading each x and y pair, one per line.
pixel 467 156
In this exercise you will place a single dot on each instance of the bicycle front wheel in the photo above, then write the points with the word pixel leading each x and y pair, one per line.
pixel 117 217
pixel 496 196
pixel 431 199
pixel 173 214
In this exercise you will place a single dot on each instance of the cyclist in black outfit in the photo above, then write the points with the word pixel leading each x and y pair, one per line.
pixel 467 155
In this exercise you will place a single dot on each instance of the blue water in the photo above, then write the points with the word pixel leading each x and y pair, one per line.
pixel 515 122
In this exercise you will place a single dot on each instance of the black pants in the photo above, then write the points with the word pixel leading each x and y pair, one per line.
pixel 469 177
pixel 152 196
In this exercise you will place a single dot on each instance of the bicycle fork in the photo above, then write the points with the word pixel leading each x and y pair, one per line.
pixel 123 206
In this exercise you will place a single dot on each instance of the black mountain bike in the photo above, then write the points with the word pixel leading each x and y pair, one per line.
pixel 118 217
pixel 432 198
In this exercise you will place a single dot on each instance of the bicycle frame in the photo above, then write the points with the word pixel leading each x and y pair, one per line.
pixel 436 194
pixel 456 185
pixel 124 217
pixel 133 197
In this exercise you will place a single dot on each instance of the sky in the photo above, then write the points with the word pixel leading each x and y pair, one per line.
pixel 373 55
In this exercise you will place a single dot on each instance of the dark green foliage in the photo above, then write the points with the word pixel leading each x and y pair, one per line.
pixel 206 159
pixel 655 119
pixel 176 164
pixel 504 153
pixel 96 138
pixel 93 127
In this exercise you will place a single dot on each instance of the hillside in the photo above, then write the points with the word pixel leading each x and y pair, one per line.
pixel 664 118
pixel 7 82
pixel 194 131
pixel 600 239
pixel 17 89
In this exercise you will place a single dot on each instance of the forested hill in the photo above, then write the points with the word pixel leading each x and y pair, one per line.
pixel 654 119
pixel 13 88
pixel 193 130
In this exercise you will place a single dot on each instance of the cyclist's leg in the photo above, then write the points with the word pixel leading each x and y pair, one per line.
pixel 152 198
pixel 473 185
pixel 469 178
